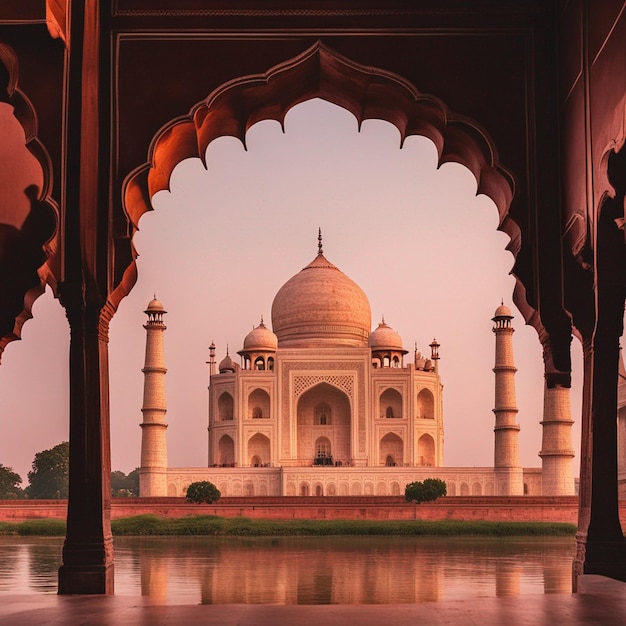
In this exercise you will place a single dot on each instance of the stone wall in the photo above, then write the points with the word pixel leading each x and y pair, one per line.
pixel 512 508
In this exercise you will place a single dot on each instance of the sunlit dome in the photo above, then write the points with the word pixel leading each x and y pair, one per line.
pixel 502 311
pixel 321 306
pixel 155 306
pixel 226 365
pixel 385 338
pixel 260 338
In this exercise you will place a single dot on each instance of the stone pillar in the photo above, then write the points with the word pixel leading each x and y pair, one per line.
pixel 88 549
pixel 556 448
pixel 507 465
pixel 153 471
pixel 601 547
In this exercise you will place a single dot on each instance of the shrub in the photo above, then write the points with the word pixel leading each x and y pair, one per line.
pixel 427 491
pixel 203 491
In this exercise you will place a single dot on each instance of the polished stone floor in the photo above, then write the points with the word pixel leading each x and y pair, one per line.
pixel 599 601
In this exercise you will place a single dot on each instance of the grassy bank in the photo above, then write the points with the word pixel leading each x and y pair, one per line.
pixel 242 526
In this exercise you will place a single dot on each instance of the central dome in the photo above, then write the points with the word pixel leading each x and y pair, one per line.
pixel 321 306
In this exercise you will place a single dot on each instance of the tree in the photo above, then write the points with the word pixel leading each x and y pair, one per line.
pixel 50 475
pixel 427 491
pixel 125 486
pixel 203 491
pixel 10 484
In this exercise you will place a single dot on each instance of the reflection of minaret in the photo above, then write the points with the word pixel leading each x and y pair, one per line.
pixel 153 471
pixel 509 476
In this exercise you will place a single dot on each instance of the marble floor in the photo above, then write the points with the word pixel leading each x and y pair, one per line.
pixel 599 601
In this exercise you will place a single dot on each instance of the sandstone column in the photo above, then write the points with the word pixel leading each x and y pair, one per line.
pixel 508 469
pixel 153 471
pixel 556 448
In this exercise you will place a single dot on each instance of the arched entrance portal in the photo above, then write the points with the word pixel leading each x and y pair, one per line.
pixel 324 426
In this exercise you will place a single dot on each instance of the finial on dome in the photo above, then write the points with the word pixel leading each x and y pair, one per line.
pixel 320 251
pixel 261 324
pixel 227 350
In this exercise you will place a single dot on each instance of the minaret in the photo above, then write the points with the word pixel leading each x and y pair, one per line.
pixel 212 372
pixel 153 471
pixel 557 451
pixel 508 469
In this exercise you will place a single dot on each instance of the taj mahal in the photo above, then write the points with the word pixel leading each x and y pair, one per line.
pixel 322 405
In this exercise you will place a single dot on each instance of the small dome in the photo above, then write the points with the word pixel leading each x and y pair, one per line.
pixel 502 311
pixel 227 365
pixel 260 338
pixel 155 306
pixel 385 338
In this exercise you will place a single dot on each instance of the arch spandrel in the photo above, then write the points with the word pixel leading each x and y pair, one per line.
pixel 320 72
pixel 28 241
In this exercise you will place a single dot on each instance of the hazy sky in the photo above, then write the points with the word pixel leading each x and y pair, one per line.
pixel 221 243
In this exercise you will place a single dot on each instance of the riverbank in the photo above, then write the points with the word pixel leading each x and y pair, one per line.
pixel 153 525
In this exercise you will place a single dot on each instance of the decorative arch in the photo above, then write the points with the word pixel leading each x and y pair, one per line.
pixel 259 404
pixel 259 449
pixel 324 399
pixel 390 403
pixel 318 72
pixel 225 407
pixel 425 404
pixel 426 451
pixel 226 451
pixel 28 242
pixel 391 450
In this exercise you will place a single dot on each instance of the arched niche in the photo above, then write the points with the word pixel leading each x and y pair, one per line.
pixel 29 217
pixel 426 451
pixel 391 450
pixel 319 72
pixel 258 404
pixel 259 450
pixel 425 404
pixel 225 407
pixel 390 403
pixel 226 450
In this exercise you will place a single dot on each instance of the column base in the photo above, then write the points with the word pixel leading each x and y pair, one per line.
pixel 601 557
pixel 86 579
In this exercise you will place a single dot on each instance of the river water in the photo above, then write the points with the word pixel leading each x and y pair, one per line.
pixel 307 570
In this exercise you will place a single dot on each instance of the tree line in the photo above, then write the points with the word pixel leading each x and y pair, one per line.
pixel 49 478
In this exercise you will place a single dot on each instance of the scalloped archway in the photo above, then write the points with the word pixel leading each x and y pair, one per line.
pixel 320 72
pixel 28 250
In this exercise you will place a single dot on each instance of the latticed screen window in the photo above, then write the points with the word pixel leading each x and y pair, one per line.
pixel 322 447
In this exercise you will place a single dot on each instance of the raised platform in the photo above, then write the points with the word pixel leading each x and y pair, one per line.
pixel 491 508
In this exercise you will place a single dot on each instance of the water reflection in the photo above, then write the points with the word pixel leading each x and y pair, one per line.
pixel 307 570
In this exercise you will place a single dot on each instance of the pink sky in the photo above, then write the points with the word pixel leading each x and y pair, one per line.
pixel 417 239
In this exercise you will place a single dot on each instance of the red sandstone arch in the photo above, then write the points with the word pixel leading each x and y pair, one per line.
pixel 28 251
pixel 319 72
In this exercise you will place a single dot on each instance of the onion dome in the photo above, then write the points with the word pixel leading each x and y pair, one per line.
pixel 260 338
pixel 321 306
pixel 385 338
pixel 226 365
